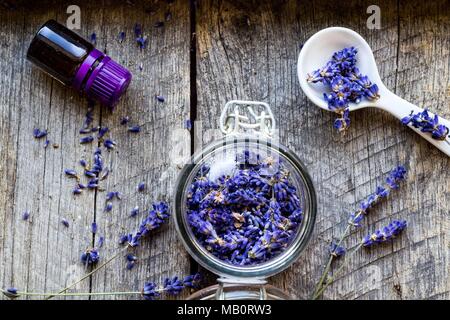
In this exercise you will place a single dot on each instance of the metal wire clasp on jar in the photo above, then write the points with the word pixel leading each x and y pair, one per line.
pixel 245 205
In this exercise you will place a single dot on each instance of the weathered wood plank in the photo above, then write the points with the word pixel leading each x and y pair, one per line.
pixel 40 254
pixel 149 156
pixel 248 50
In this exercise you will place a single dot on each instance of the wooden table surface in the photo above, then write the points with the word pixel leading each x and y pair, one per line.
pixel 207 53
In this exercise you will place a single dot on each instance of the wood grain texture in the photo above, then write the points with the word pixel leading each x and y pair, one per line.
pixel 242 50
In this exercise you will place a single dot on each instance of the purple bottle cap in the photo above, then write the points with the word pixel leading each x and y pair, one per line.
pixel 102 79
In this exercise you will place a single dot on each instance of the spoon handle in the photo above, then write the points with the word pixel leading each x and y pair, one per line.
pixel 401 108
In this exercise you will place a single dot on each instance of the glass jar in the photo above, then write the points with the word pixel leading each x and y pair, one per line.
pixel 249 129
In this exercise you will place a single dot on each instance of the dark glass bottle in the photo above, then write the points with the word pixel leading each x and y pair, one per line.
pixel 75 62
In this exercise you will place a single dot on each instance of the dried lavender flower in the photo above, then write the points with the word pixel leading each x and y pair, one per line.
pixel 426 123
pixel 246 217
pixel 100 242
pixel 109 144
pixel 383 235
pixel 134 129
pixel 94 227
pixel 134 212
pixel 124 120
pixel 108 206
pixel 141 186
pixel 83 163
pixel 346 83
pixel 25 215
pixel 336 250
pixel 71 173
pixel 149 292
pixel 122 36
pixel 87 139
pixel 11 293
pixel 90 256
pixel 160 98
pixel 38 133
pixel 173 286
pixel 156 217
pixel 392 182
pixel 192 281
pixel 93 38
pixel 102 131
pixel 65 222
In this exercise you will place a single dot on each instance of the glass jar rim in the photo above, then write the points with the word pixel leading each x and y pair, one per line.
pixel 223 268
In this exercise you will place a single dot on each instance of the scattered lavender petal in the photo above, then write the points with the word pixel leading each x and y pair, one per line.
pixel 137 29
pixel 87 139
pixel 71 173
pixel 38 133
pixel 77 190
pixel 134 212
pixel 141 186
pixel 102 131
pixel 100 242
pixel 109 144
pixel 124 120
pixel 93 38
pixel 83 163
pixel 121 36
pixel 65 223
pixel 94 227
pixel 188 124
pixel 108 206
pixel 25 215
pixel 46 143
pixel 134 129
pixel 160 98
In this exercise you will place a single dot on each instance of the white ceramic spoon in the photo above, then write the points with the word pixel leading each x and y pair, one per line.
pixel 319 49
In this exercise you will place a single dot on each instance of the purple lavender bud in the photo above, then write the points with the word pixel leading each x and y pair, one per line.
pixel 71 173
pixel 100 242
pixel 77 190
pixel 122 36
pixel 124 120
pixel 93 38
pixel 87 139
pixel 38 134
pixel 90 256
pixel 134 212
pixel 83 163
pixel 109 144
pixel 25 216
pixel 94 227
pixel 108 206
pixel 11 293
pixel 160 98
pixel 134 129
pixel 141 186
pixel 65 222
pixel 102 131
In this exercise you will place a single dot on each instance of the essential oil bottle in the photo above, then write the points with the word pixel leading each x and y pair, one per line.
pixel 75 62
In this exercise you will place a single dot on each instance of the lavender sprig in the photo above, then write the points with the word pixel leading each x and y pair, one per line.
pixel 392 181
pixel 150 291
pixel 385 234
pixel 427 123
pixel 380 236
